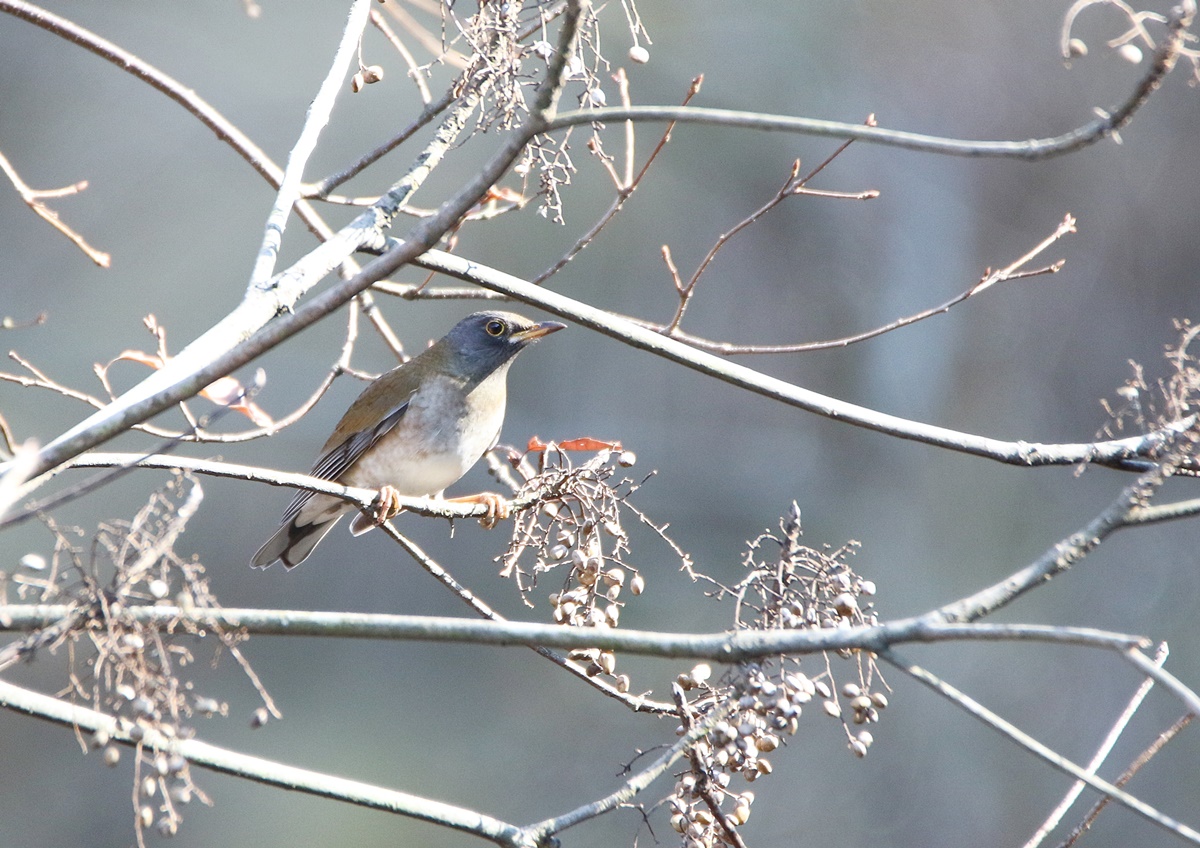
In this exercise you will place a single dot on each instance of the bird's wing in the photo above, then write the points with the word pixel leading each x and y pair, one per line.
pixel 335 461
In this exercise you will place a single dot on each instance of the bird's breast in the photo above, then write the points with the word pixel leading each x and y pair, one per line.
pixel 445 430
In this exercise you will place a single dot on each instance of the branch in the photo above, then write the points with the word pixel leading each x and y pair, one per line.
pixel 1131 453
pixel 197 365
pixel 540 830
pixel 1054 561
pixel 740 646
pixel 1102 127
pixel 1011 731
pixel 33 199
pixel 1093 766
pixel 262 770
pixel 1014 271
pixel 362 498
pixel 315 121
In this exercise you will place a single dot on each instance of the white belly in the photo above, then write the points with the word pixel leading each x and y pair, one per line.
pixel 441 435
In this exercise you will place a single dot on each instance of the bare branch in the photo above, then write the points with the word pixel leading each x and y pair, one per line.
pixel 1102 127
pixel 1093 766
pixel 740 646
pixel 1133 453
pixel 33 199
pixel 315 121
pixel 262 770
pixel 1011 731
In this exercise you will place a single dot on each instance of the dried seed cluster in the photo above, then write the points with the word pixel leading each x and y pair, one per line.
pixel 129 669
pixel 789 587
pixel 1145 405
pixel 573 527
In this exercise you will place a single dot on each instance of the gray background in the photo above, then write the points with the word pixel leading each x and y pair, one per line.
pixel 500 729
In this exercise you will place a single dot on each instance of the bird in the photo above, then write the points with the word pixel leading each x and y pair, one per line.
pixel 413 431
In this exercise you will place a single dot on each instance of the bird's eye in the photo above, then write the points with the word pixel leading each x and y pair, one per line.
pixel 495 328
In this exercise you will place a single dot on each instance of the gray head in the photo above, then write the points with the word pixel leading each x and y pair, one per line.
pixel 480 343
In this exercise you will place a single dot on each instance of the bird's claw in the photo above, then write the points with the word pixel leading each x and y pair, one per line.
pixel 497 506
pixel 386 505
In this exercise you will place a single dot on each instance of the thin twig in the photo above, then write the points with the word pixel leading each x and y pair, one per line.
pixel 33 199
pixel 1048 755
pixel 1093 766
pixel 1013 271
pixel 414 72
pixel 1149 753
pixel 635 702
pixel 316 119
pixel 625 188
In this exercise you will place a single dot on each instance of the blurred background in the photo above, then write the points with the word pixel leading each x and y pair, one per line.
pixel 500 729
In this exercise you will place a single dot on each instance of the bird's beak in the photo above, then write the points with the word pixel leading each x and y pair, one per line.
pixel 538 330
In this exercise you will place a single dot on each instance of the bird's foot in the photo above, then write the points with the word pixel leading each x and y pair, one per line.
pixel 385 507
pixel 387 504
pixel 498 507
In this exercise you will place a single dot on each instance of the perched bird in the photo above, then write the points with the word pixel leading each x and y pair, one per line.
pixel 414 431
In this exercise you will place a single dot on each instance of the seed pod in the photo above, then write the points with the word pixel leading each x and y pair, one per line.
pixel 34 562
pixel 615 577
pixel 1131 53
pixel 637 585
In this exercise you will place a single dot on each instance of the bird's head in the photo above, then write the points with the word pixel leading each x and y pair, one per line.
pixel 480 343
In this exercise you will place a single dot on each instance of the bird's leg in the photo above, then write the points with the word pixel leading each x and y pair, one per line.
pixel 498 507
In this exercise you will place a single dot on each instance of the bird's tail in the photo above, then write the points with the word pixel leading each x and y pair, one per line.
pixel 292 543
